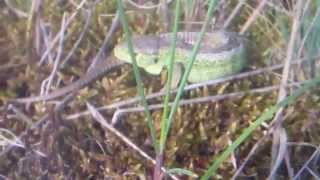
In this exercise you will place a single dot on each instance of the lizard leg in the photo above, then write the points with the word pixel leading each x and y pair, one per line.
pixel 176 76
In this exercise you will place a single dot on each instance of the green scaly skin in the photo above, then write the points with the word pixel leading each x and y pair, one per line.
pixel 221 54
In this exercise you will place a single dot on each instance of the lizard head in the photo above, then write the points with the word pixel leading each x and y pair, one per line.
pixel 145 49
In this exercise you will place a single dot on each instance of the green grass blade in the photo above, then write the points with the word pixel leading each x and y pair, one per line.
pixel 124 22
pixel 264 117
pixel 310 30
pixel 190 61
pixel 164 120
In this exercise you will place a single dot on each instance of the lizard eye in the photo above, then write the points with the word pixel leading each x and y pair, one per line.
pixel 152 59
pixel 155 60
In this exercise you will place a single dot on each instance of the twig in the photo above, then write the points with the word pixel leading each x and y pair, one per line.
pixel 287 159
pixel 310 28
pixel 275 7
pixel 165 15
pixel 58 108
pixel 259 144
pixel 98 59
pixel 266 31
pixel 186 102
pixel 253 17
pixel 193 86
pixel 23 134
pixel 314 174
pixel 106 42
pixel 35 20
pixel 20 114
pixel 282 139
pixel 77 43
pixel 290 52
pixel 252 151
pixel 47 36
pixel 214 98
pixel 47 82
pixel 56 38
pixel 13 141
pixel 316 153
pixel 282 90
pixel 233 13
pixel 208 83
pixel 16 11
pixel 146 7
pixel 99 118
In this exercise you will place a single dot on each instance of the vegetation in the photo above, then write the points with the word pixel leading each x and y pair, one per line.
pixel 260 123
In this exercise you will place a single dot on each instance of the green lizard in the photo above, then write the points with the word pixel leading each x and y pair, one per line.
pixel 221 54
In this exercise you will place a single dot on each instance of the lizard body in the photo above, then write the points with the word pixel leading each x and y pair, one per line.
pixel 221 54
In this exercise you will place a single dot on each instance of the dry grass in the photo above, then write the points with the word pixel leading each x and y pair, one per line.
pixel 45 45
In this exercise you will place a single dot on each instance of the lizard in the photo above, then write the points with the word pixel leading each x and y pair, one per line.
pixel 222 53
